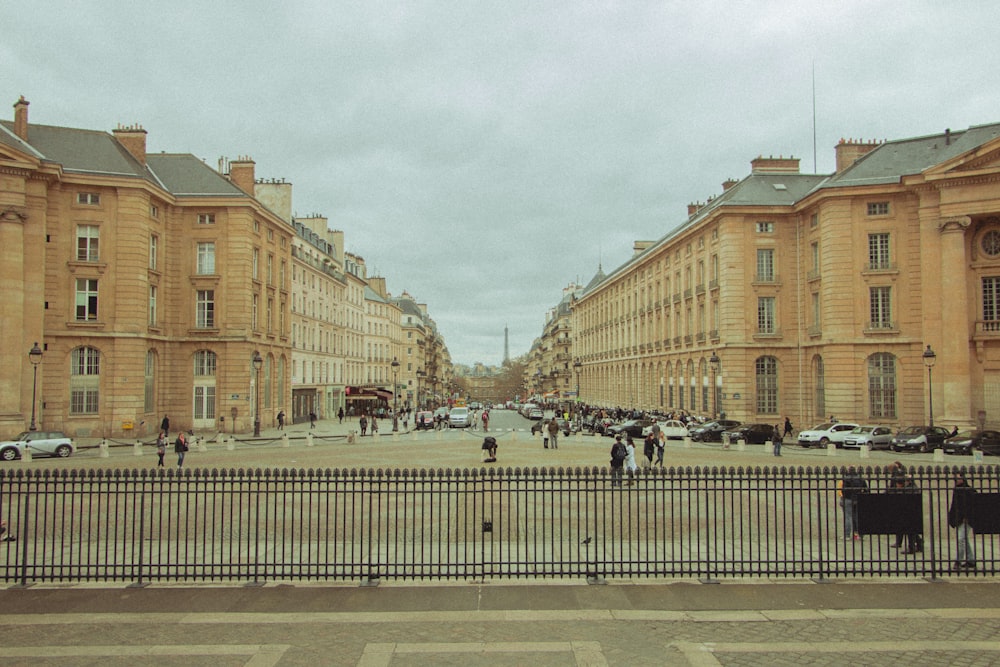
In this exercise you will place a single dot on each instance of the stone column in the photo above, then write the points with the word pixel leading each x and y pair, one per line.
pixel 952 372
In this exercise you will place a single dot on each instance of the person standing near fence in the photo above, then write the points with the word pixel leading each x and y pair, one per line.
pixel 161 448
pixel 554 433
pixel 851 486
pixel 776 441
pixel 618 456
pixel 960 518
pixel 363 423
pixel 649 448
pixel 661 445
pixel 180 448
pixel 631 467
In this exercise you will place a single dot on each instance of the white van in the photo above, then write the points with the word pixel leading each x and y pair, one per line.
pixel 459 418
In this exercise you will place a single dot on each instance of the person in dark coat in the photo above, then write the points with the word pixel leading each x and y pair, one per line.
pixel 960 518
pixel 649 448
pixel 900 482
pixel 618 455
pixel 776 441
pixel 788 428
pixel 852 485
pixel 180 448
pixel 165 425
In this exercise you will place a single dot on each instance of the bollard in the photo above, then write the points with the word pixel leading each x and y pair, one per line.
pixel 977 457
pixel 939 455
pixel 309 440
pixel 220 438
pixel 231 444
pixel 725 441
pixel 769 448
pixel 831 449
pixel 137 448
pixel 26 454
pixel 376 436
pixel 514 435
pixel 104 449
pixel 284 438
pixel 866 452
pixel 200 444
pixel 352 437
pixel 413 435
pixel 741 445
pixel 395 436
pixel 687 442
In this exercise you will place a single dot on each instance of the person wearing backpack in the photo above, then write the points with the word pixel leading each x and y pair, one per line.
pixel 618 456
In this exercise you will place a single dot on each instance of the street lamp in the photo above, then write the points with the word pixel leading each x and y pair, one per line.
pixel 258 361
pixel 929 359
pixel 420 374
pixel 395 394
pixel 577 366
pixel 715 363
pixel 35 357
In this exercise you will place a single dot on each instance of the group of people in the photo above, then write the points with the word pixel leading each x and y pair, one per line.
pixel 623 455
pixel 181 446
pixel 960 512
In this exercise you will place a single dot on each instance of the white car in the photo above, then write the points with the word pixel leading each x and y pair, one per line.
pixel 670 428
pixel 459 418
pixel 823 434
pixel 39 443
pixel 873 437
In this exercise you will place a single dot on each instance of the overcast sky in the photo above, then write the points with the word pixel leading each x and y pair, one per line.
pixel 484 155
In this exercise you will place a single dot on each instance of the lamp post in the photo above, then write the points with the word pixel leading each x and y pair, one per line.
pixel 395 394
pixel 577 366
pixel 420 374
pixel 258 361
pixel 433 397
pixel 35 357
pixel 929 359
pixel 715 363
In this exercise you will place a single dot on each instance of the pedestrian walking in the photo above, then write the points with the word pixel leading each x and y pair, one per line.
pixel 312 419
pixel 776 441
pixel 900 482
pixel 161 448
pixel 631 467
pixel 165 425
pixel 486 420
pixel 661 445
pixel 374 425
pixel 281 420
pixel 340 415
pixel 554 433
pixel 960 518
pixel 180 448
pixel 788 428
pixel 851 486
pixel 618 455
pixel 649 448
pixel 363 423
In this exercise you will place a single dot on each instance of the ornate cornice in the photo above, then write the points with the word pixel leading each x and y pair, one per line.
pixel 956 224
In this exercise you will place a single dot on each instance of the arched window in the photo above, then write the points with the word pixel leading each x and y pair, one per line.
pixel 882 385
pixel 84 381
pixel 766 373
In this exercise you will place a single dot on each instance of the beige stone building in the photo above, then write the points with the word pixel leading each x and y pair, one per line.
pixel 816 295
pixel 150 282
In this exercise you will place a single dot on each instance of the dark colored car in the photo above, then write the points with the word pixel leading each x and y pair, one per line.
pixel 921 438
pixel 632 427
pixel 753 434
pixel 967 441
pixel 712 431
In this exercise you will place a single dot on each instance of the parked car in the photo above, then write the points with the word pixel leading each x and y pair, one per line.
pixel 424 419
pixel 39 443
pixel 712 431
pixel 670 428
pixel 752 434
pixel 922 438
pixel 965 442
pixel 535 413
pixel 632 427
pixel 874 437
pixel 459 418
pixel 822 435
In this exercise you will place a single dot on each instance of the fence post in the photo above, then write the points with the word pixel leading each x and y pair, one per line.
pixel 137 448
pixel 309 440
pixel 104 448
pixel 284 439
pixel 230 444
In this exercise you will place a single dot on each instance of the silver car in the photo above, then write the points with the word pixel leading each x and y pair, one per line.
pixel 39 443
pixel 874 437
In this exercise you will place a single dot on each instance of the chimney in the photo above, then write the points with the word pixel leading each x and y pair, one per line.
pixel 775 165
pixel 850 151
pixel 640 246
pixel 21 118
pixel 693 208
pixel 728 183
pixel 133 139
pixel 241 174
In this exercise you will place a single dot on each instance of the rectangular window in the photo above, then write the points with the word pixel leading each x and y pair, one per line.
pixel 765 315
pixel 270 315
pixel 881 307
pixel 991 300
pixel 205 309
pixel 765 227
pixel 878 208
pixel 154 249
pixel 206 258
pixel 270 269
pixel 84 391
pixel 814 248
pixel 154 211
pixel 878 252
pixel 86 300
pixel 87 238
pixel 765 265
pixel 814 221
pixel 88 198
pixel 152 305
pixel 255 268
pixel 816 311
pixel 254 301
pixel 206 218
pixel 281 276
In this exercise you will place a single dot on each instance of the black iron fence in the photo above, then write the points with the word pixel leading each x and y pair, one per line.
pixel 271 525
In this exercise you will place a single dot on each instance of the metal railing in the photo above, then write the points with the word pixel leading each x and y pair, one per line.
pixel 276 525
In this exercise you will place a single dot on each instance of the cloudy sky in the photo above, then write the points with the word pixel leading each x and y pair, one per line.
pixel 484 155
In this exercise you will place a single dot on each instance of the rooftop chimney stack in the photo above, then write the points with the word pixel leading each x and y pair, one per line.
pixel 21 118
pixel 728 183
pixel 774 165
pixel 133 138
pixel 850 151
pixel 241 173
